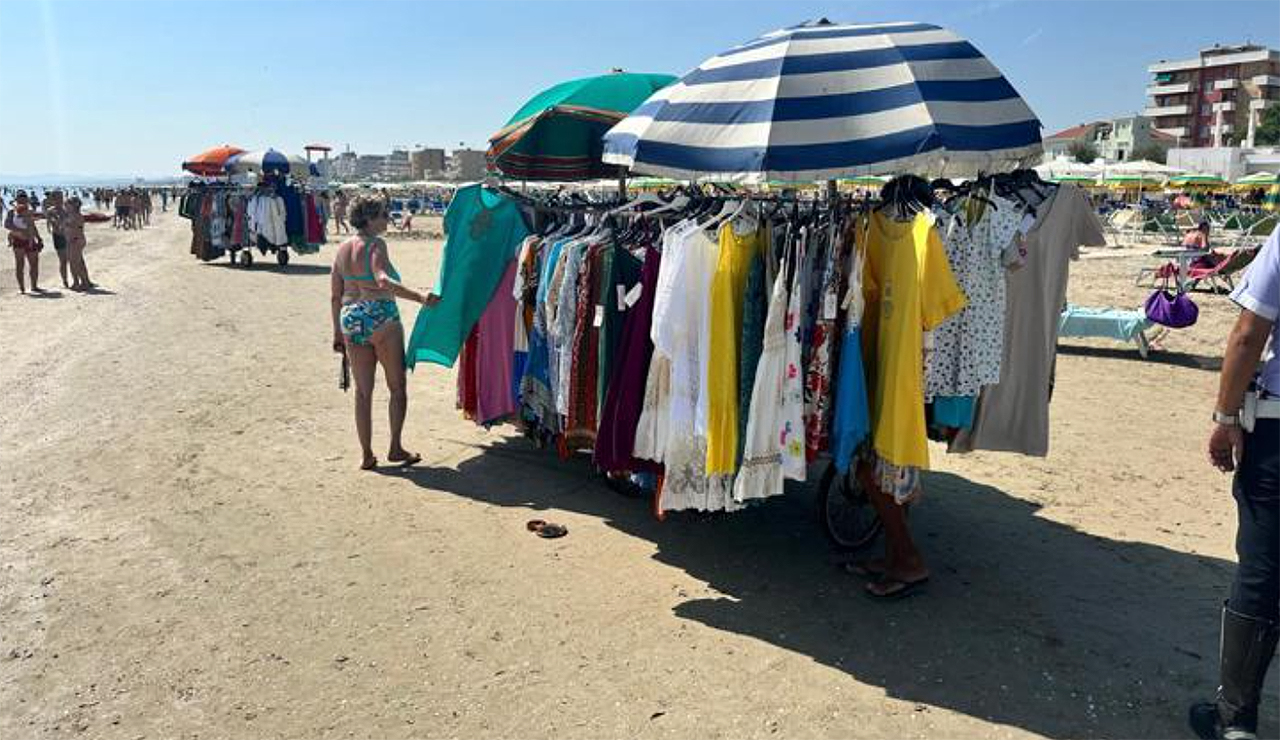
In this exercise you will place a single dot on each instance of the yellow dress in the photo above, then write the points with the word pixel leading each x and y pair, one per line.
pixel 727 289
pixel 909 288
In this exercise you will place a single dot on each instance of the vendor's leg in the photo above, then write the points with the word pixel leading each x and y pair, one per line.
pixel 1251 618
pixel 903 562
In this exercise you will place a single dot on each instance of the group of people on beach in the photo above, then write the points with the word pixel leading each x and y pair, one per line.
pixel 65 224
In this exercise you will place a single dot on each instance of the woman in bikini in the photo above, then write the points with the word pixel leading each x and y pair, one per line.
pixel 366 323
pixel 73 227
pixel 25 241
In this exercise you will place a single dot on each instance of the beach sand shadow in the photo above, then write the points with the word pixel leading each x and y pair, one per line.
pixel 1027 622
pixel 264 266
pixel 1156 357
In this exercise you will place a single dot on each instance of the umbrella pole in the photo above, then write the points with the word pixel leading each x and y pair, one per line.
pixel 622 185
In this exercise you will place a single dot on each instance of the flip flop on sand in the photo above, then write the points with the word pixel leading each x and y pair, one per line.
pixel 412 458
pixel 369 464
pixel 891 589
pixel 546 530
pixel 869 569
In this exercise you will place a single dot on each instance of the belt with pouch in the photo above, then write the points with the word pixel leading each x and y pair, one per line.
pixel 1257 407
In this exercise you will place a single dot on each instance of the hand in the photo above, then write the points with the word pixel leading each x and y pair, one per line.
pixel 1226 446
pixel 430 299
pixel 339 345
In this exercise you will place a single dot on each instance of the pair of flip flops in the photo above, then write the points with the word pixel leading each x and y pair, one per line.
pixel 546 530
pixel 895 590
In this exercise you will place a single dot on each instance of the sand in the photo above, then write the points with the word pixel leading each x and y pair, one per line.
pixel 189 551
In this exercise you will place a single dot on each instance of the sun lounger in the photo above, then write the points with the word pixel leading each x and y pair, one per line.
pixel 1110 323
pixel 1219 275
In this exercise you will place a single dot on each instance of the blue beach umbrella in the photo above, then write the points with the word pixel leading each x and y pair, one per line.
pixel 269 161
pixel 823 101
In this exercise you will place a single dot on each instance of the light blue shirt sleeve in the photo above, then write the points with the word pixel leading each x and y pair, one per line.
pixel 1259 291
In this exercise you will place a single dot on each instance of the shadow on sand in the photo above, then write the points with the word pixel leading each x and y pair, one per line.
pixel 1027 622
pixel 1157 357
pixel 265 266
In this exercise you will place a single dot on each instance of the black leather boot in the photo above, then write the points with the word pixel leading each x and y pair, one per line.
pixel 1247 646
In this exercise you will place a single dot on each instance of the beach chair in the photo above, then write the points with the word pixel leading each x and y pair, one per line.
pixel 1219 276
pixel 1257 232
pixel 1111 323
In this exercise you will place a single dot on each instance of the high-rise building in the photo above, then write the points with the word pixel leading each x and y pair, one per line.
pixel 1217 97
pixel 427 164
pixel 369 166
pixel 467 164
pixel 396 166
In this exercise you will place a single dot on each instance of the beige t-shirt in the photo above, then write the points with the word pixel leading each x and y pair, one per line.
pixel 1013 415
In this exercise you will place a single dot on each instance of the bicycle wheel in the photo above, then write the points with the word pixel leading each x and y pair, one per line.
pixel 848 520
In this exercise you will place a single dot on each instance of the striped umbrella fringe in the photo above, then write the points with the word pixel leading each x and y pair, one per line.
pixel 822 101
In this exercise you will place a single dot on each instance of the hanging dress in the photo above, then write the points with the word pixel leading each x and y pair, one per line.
pixel 761 472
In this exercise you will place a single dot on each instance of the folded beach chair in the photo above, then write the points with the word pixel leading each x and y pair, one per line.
pixel 1110 323
pixel 1219 275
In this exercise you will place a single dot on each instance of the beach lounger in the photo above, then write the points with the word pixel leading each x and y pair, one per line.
pixel 1219 276
pixel 1110 323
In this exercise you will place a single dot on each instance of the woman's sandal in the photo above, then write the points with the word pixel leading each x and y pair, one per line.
pixel 413 459
pixel 546 530
pixel 866 569
pixel 896 589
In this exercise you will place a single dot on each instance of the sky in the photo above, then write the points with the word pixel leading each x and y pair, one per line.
pixel 124 88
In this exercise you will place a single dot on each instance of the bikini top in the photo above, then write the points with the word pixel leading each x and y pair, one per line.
pixel 368 264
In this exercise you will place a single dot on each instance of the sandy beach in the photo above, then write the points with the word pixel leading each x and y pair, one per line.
pixel 189 550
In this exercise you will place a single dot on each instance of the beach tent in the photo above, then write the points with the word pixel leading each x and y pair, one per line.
pixel 823 101
pixel 557 134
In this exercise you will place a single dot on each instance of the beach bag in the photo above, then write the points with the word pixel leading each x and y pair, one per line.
pixel 1176 311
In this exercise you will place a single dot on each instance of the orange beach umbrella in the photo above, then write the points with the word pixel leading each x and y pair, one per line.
pixel 211 162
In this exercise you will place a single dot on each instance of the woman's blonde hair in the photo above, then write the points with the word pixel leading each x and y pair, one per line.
pixel 365 208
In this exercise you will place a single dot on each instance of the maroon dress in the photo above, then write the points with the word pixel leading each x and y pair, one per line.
pixel 624 398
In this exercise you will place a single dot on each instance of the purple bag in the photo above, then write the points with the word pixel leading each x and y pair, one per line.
pixel 1176 311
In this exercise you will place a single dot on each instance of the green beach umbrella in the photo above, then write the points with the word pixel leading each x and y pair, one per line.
pixel 557 135
pixel 1272 201
pixel 1259 180
pixel 1197 181
pixel 1085 179
pixel 1132 181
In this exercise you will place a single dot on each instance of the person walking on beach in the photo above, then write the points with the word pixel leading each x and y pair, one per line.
pixel 73 228
pixel 20 223
pixel 340 213
pixel 55 218
pixel 1246 439
pixel 366 324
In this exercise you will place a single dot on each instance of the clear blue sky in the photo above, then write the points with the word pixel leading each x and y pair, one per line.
pixel 125 88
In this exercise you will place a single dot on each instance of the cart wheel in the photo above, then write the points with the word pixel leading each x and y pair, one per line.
pixel 848 519
pixel 282 256
pixel 246 259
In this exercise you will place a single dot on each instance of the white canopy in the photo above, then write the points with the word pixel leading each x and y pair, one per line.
pixel 1066 167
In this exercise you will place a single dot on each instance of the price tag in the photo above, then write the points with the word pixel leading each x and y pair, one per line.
pixel 633 295
pixel 830 306
pixel 622 297
pixel 599 319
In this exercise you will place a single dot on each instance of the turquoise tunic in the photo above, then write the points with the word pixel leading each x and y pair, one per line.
pixel 484 230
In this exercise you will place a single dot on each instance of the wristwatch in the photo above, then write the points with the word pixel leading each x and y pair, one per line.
pixel 1230 420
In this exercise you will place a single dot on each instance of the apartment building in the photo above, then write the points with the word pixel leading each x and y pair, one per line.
pixel 1215 98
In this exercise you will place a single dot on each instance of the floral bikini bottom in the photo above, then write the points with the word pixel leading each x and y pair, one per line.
pixel 360 320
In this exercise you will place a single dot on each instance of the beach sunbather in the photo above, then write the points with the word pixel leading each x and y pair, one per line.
pixel 366 323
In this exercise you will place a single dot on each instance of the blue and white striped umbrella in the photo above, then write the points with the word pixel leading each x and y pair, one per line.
pixel 269 160
pixel 822 101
